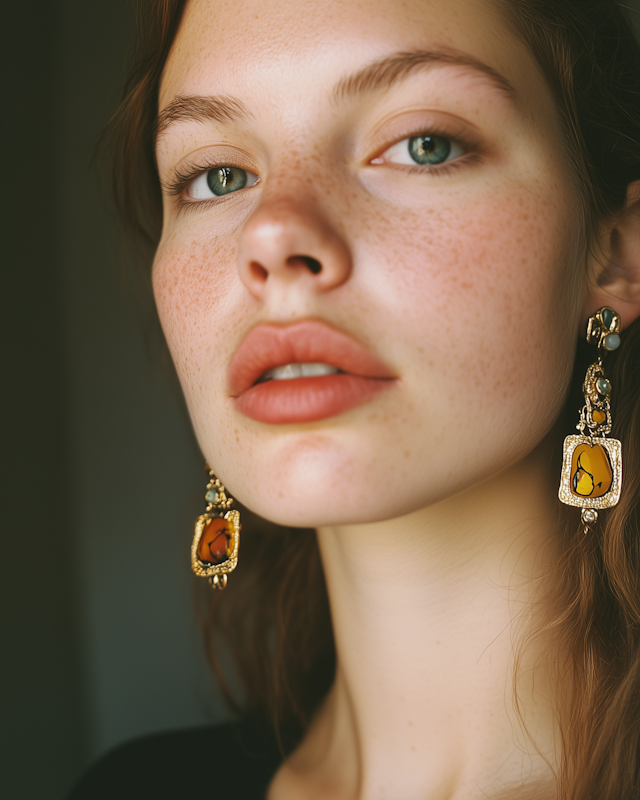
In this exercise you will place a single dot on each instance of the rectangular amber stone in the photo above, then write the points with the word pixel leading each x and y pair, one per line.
pixel 578 475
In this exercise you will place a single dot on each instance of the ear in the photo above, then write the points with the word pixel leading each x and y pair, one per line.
pixel 617 283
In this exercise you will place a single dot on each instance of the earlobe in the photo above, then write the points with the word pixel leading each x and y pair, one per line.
pixel 618 284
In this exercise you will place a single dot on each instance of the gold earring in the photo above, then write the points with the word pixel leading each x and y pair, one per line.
pixel 592 463
pixel 214 551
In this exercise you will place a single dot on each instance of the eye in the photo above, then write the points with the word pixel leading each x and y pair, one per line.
pixel 425 150
pixel 219 181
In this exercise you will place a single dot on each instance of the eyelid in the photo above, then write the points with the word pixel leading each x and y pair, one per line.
pixel 420 120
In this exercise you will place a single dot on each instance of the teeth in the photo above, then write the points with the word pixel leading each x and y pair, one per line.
pixel 286 373
pixel 313 370
pixel 290 371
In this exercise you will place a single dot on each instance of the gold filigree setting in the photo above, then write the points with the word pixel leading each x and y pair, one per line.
pixel 217 520
pixel 207 570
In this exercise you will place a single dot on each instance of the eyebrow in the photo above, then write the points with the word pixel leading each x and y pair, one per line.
pixel 199 108
pixel 387 71
pixel 374 77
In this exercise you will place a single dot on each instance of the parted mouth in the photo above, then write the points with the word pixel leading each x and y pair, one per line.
pixel 305 349
pixel 290 372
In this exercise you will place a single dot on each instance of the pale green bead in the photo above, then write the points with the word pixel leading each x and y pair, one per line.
pixel 612 341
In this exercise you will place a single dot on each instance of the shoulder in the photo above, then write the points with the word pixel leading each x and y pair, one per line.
pixel 231 760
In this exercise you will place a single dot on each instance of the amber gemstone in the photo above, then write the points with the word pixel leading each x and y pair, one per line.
pixel 591 472
pixel 213 547
pixel 599 416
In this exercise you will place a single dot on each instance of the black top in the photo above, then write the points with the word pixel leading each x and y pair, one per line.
pixel 233 761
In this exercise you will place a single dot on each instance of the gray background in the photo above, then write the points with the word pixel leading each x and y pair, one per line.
pixel 101 476
pixel 101 473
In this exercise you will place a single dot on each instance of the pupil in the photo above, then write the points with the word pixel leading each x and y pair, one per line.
pixel 429 149
pixel 223 180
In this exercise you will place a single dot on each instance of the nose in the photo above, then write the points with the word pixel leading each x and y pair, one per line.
pixel 287 240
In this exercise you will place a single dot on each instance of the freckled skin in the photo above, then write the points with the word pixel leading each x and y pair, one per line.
pixel 468 285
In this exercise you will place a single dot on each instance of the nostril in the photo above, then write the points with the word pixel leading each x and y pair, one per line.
pixel 312 264
pixel 258 271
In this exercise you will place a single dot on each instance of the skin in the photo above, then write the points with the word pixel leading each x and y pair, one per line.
pixel 434 501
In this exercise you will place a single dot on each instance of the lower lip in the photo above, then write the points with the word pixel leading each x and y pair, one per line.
pixel 307 399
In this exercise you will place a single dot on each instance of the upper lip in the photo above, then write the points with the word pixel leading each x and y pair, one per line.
pixel 270 345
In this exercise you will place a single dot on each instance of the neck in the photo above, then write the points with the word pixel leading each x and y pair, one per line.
pixel 429 611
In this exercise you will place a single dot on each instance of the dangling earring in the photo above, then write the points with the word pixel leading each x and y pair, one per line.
pixel 214 552
pixel 592 464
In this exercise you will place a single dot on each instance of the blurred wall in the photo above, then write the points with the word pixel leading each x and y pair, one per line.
pixel 42 716
pixel 102 475
pixel 138 479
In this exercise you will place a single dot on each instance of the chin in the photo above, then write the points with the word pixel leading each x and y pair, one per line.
pixel 317 479
pixel 315 493
pixel 314 512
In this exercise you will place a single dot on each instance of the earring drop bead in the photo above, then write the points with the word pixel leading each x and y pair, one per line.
pixel 589 516
pixel 611 341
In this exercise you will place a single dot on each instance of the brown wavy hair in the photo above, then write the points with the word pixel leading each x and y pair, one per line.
pixel 274 619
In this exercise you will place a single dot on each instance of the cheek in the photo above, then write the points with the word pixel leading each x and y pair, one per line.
pixel 488 287
pixel 194 278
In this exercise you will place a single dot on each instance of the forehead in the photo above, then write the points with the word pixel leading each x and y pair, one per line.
pixel 304 47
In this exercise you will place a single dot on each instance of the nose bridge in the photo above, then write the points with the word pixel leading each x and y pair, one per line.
pixel 283 222
pixel 292 234
pixel 290 200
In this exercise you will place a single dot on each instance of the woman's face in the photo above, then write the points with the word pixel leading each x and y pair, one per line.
pixel 400 208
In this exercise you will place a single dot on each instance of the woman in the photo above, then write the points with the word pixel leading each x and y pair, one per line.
pixel 380 230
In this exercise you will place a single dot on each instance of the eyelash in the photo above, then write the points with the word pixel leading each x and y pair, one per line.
pixel 440 170
pixel 181 179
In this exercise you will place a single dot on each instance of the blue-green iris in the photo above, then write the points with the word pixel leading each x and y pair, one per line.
pixel 223 180
pixel 429 149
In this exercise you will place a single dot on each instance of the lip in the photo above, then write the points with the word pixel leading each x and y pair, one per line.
pixel 270 345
